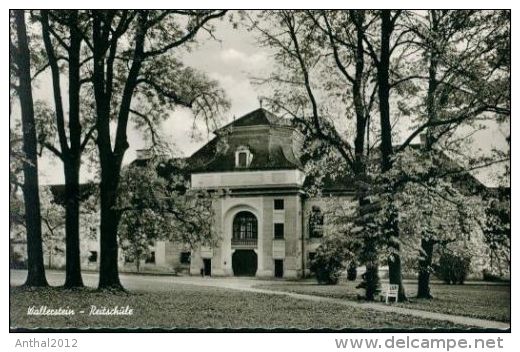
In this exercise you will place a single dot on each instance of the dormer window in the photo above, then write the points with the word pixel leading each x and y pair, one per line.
pixel 243 157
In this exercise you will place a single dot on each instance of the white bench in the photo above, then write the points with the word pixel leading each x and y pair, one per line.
pixel 391 291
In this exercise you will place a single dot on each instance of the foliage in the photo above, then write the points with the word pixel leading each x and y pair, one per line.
pixel 53 229
pixel 16 161
pixel 453 268
pixel 156 204
pixel 160 82
pixel 430 206
pixel 16 208
pixel 457 78
pixel 335 249
pixel 327 265
pixel 487 275
pixel 446 70
pixel 53 223
pixel 120 67
pixel 352 230
pixel 497 231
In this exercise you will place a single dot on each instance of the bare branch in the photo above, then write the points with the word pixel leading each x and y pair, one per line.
pixel 151 127
pixel 87 138
pixel 188 36
pixel 53 149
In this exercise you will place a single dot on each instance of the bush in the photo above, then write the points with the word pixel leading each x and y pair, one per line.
pixel 327 266
pixel 352 271
pixel 453 269
pixel 487 275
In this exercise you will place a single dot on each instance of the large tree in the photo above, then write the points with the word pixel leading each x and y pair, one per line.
pixel 460 75
pixel 462 78
pixel 434 211
pixel 380 51
pixel 134 67
pixel 63 34
pixel 319 94
pixel 432 72
pixel 323 81
pixel 21 58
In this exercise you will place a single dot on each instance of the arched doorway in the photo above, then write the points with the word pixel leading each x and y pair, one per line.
pixel 244 240
pixel 245 262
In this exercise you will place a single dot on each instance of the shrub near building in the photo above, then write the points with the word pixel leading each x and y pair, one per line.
pixel 329 261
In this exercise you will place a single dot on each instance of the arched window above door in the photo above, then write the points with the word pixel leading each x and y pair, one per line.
pixel 245 226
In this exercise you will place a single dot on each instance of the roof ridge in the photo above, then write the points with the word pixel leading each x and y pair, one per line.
pixel 258 117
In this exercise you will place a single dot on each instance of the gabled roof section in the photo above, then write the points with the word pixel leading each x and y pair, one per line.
pixel 258 117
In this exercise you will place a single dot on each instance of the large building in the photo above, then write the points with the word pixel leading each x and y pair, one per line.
pixel 267 226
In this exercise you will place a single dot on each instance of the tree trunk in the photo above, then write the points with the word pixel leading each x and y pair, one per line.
pixel 36 269
pixel 359 106
pixel 371 275
pixel 108 268
pixel 394 261
pixel 431 103
pixel 72 253
pixel 111 160
pixel 383 71
pixel 71 156
pixel 369 255
pixel 425 260
pixel 370 279
pixel 425 263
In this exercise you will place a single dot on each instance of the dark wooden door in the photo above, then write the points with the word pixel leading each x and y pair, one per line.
pixel 278 268
pixel 244 262
pixel 207 267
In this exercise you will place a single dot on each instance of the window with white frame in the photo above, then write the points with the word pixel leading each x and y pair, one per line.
pixel 243 157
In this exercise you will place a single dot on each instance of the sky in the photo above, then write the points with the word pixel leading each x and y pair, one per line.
pixel 231 60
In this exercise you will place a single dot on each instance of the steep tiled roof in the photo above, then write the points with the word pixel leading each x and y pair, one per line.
pixel 268 152
pixel 278 157
pixel 258 117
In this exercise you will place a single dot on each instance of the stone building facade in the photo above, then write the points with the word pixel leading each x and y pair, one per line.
pixel 263 216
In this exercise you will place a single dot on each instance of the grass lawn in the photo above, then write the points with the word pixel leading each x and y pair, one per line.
pixel 187 306
pixel 490 302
